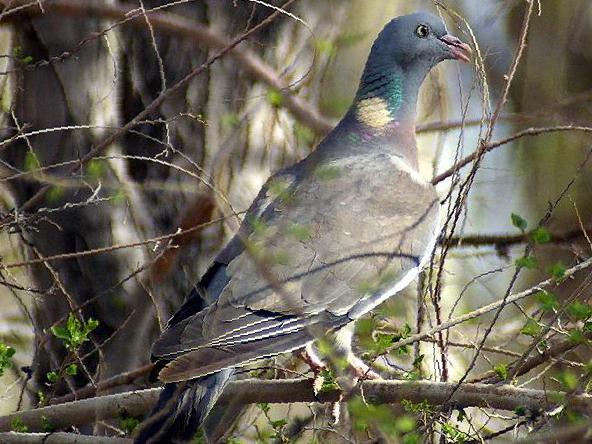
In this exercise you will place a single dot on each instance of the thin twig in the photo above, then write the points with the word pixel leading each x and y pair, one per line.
pixel 110 248
pixel 495 144
pixel 179 26
pixel 155 104
pixel 115 381
pixel 488 308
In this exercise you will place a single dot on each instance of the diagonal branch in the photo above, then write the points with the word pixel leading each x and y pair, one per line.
pixel 488 146
pixel 488 308
pixel 165 95
pixel 555 350
pixel 181 27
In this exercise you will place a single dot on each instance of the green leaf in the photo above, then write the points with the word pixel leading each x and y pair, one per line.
pixel 576 336
pixel 96 168
pixel 569 379
pixel 454 434
pixel 382 342
pixel 17 425
pixel 363 415
pixel 199 437
pixel 557 271
pixel 325 46
pixel 278 188
pixel 329 381
pixel 46 424
pixel 60 332
pixel 72 370
pixel 529 262
pixel 531 328
pixel 540 235
pixel 412 376
pixel 129 424
pixel 21 57
pixel 520 411
pixel 118 197
pixel 278 424
pixel 579 310
pixel 417 361
pixel 6 353
pixel 264 406
pixel 52 377
pixel 76 332
pixel 501 370
pixel 405 424
pixel 519 222
pixel 31 161
pixel 411 438
pixel 547 301
pixel 274 98
pixel 419 407
pixel 91 325
pixel 54 194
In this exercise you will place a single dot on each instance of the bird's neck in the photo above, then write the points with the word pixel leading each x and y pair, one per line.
pixel 383 112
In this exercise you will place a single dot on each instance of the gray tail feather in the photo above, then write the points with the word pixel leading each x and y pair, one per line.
pixel 182 408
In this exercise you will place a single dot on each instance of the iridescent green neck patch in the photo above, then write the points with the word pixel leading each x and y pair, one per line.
pixel 379 100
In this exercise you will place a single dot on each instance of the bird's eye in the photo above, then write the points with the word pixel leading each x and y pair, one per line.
pixel 422 31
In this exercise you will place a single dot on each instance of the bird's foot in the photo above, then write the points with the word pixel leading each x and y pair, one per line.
pixel 312 360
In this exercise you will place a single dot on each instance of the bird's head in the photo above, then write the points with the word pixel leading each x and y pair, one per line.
pixel 419 37
pixel 404 52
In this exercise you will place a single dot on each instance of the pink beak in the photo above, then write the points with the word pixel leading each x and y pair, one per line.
pixel 460 50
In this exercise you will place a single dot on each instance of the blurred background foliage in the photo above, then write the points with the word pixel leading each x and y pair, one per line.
pixel 204 153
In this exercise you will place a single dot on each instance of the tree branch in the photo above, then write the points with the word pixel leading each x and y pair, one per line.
pixel 488 146
pixel 115 381
pixel 555 350
pixel 501 241
pixel 181 27
pixel 58 438
pixel 165 95
pixel 488 308
pixel 251 391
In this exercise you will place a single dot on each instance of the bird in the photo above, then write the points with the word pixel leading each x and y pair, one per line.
pixel 325 241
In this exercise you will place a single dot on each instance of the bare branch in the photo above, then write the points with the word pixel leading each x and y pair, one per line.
pixel 488 308
pixel 555 350
pixel 501 241
pixel 250 391
pixel 114 381
pixel 488 146
pixel 58 438
pixel 113 137
pixel 111 248
pixel 252 64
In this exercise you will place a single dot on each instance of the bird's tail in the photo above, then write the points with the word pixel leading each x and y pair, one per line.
pixel 182 409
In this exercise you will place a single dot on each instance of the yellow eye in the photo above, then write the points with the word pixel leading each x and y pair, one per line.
pixel 422 31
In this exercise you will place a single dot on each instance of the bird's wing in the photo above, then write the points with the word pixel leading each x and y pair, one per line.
pixel 330 247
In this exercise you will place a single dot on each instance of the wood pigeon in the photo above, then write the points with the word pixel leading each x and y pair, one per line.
pixel 325 241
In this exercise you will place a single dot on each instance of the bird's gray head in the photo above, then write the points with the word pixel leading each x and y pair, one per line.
pixel 417 38
pixel 402 55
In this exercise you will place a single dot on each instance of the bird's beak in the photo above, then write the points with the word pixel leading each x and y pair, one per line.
pixel 459 50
